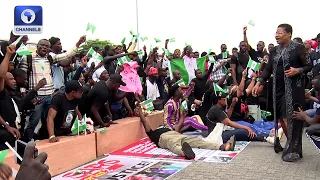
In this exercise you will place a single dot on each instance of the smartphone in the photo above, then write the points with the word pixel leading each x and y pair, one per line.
pixel 20 148
pixel 296 107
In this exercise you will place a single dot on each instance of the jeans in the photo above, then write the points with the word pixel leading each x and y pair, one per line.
pixel 313 130
pixel 40 112
pixel 311 112
pixel 241 135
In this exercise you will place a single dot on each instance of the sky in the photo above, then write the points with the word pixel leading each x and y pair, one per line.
pixel 205 24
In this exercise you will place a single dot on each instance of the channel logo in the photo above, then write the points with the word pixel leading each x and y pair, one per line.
pixel 28 20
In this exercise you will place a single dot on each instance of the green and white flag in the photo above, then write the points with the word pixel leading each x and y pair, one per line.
pixel 255 66
pixel 180 82
pixel 123 41
pixel 166 51
pixel 211 59
pixel 187 67
pixel 252 23
pixel 131 32
pixel 148 105
pixel 23 50
pixel 91 27
pixel 79 126
pixel 123 60
pixel 157 40
pixel 3 155
pixel 184 105
pixel 225 55
pixel 94 54
pixel 17 41
pixel 209 51
pixel 140 55
pixel 217 88
pixel 265 114
pixel 144 38
pixel 172 40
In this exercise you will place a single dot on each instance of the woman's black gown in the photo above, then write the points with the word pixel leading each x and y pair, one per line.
pixel 288 91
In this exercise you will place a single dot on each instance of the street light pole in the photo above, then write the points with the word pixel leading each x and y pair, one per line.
pixel 137 23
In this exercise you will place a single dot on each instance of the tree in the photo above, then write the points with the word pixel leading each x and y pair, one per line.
pixel 95 43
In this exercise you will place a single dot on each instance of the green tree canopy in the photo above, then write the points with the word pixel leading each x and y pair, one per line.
pixel 95 43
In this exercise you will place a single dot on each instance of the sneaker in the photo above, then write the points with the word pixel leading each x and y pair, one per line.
pixel 187 150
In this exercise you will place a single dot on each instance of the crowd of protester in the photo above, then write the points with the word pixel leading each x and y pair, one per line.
pixel 54 87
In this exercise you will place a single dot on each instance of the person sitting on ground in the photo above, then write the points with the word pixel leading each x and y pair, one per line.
pixel 313 131
pixel 217 114
pixel 172 115
pixel 63 111
pixel 178 143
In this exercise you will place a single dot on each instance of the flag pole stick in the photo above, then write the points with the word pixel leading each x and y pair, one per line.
pixel 14 151
pixel 14 57
pixel 137 23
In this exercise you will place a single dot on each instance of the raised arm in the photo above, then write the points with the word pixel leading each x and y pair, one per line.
pixel 67 55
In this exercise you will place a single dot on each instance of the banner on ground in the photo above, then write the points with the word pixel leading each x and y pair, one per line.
pixel 187 67
pixel 124 168
pixel 147 149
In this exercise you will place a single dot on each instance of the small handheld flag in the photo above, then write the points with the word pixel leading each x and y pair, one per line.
pixel 184 105
pixel 157 40
pixel 211 59
pixel 91 27
pixel 123 60
pixel 123 40
pixel 172 40
pixel 94 54
pixel 180 82
pixel 252 23
pixel 23 50
pixel 147 104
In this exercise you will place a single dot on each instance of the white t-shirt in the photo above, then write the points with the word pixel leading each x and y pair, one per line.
pixel 152 90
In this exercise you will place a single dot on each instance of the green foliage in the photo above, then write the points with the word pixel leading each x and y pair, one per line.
pixel 95 43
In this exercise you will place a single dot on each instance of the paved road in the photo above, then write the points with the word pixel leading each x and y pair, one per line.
pixel 257 161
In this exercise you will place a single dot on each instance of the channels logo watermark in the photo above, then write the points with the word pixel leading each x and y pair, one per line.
pixel 28 20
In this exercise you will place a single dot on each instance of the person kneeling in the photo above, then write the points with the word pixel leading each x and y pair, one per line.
pixel 63 111
pixel 178 143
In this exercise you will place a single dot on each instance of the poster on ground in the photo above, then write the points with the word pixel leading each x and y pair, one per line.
pixel 124 168
pixel 147 149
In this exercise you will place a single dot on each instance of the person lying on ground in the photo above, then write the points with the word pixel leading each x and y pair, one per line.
pixel 180 144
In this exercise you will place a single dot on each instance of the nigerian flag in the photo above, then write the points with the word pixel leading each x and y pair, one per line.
pixel 180 82
pixel 217 88
pixel 140 55
pixel 255 66
pixel 79 126
pixel 148 105
pixel 123 59
pixel 23 50
pixel 95 55
pixel 187 67
pixel 184 105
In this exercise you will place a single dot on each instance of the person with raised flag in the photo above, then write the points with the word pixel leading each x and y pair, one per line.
pixel 61 59
pixel 289 62
pixel 180 144
pixel 172 113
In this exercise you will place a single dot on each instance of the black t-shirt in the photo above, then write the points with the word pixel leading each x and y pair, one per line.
pixel 98 96
pixel 155 135
pixel 65 113
pixel 236 114
pixel 7 111
pixel 215 115
pixel 221 57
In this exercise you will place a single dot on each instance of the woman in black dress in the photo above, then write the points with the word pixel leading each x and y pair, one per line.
pixel 289 62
